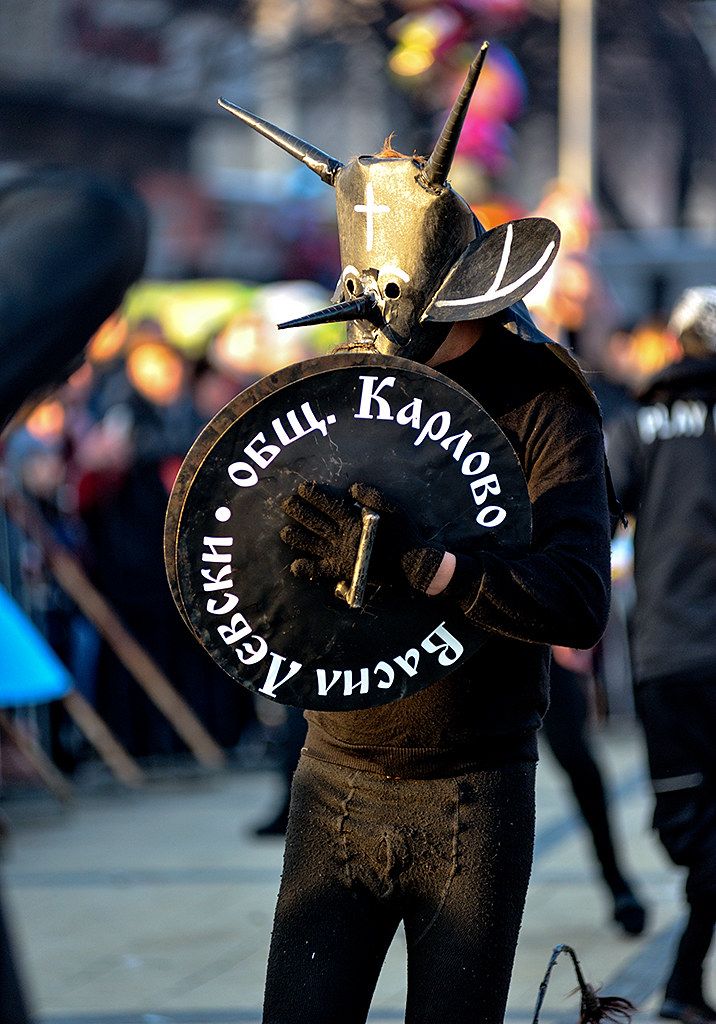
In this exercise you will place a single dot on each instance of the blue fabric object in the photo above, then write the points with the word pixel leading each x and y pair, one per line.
pixel 30 671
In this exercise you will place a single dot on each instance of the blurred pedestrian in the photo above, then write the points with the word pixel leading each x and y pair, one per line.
pixel 566 730
pixel 129 461
pixel 663 459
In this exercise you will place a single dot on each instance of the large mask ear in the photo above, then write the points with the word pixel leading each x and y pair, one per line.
pixel 496 270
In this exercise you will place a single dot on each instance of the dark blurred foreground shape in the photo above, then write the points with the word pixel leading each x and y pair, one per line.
pixel 12 1004
pixel 70 245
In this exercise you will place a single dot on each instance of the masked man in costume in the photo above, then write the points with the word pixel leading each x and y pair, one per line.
pixel 664 459
pixel 422 811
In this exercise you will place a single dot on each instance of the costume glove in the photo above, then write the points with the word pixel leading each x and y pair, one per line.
pixel 326 530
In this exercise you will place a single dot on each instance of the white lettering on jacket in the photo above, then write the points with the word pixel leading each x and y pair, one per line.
pixel 685 418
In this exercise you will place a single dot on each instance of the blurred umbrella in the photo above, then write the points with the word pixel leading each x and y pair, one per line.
pixel 237 348
pixel 566 293
pixel 421 36
pixel 30 671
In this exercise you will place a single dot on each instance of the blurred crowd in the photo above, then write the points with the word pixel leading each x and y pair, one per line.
pixel 92 464
pixel 98 459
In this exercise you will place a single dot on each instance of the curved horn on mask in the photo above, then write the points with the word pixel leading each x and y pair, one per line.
pixel 323 165
pixel 364 307
pixel 440 160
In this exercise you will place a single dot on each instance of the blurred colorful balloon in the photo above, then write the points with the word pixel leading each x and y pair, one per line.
pixel 487 142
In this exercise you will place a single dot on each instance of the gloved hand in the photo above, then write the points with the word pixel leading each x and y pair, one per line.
pixel 327 530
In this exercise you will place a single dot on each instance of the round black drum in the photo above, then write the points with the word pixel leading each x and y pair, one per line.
pixel 402 427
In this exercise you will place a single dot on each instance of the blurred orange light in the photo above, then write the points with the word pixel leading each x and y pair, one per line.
pixel 237 347
pixel 156 371
pixel 652 347
pixel 497 211
pixel 108 340
pixel 573 214
pixel 46 421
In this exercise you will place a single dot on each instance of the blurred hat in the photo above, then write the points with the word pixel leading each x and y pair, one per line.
pixel 693 319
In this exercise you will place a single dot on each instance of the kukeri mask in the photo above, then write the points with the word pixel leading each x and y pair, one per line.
pixel 414 257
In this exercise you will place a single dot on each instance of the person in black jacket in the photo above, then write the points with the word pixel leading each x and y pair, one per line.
pixel 566 729
pixel 663 458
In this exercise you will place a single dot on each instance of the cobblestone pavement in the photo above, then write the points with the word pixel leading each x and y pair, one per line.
pixel 154 907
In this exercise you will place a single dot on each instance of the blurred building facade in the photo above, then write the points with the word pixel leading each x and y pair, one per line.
pixel 130 86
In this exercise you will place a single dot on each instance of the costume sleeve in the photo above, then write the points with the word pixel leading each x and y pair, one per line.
pixel 625 462
pixel 558 592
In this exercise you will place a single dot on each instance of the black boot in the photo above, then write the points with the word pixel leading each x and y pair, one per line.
pixel 629 912
pixel 684 998
pixel 689 1013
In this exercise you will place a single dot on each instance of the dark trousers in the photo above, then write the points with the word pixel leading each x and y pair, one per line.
pixel 449 857
pixel 679 720
pixel 566 729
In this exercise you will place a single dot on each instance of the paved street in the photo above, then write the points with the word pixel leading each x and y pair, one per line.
pixel 154 907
